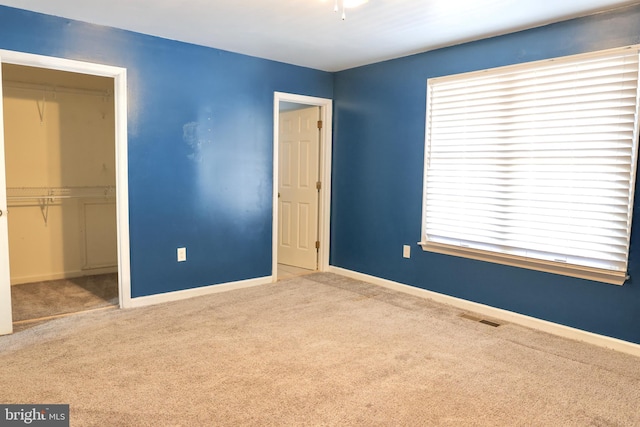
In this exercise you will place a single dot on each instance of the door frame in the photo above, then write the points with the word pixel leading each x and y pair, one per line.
pixel 324 202
pixel 119 76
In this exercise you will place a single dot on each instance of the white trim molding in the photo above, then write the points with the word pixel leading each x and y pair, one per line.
pixel 62 275
pixel 326 144
pixel 197 292
pixel 572 270
pixel 497 313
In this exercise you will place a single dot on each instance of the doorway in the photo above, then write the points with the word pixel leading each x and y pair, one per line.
pixel 90 212
pixel 60 175
pixel 302 188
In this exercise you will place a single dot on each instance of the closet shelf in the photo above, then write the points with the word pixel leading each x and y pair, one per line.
pixel 55 89
pixel 55 193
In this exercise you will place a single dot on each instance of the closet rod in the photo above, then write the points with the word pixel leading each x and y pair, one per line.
pixel 51 193
pixel 54 197
pixel 55 89
pixel 65 188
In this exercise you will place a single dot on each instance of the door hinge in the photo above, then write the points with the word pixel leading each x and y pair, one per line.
pixel 318 185
pixel 317 244
pixel 319 124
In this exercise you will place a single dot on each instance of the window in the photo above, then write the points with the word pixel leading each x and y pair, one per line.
pixel 534 165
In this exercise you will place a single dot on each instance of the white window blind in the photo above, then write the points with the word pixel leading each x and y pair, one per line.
pixel 534 164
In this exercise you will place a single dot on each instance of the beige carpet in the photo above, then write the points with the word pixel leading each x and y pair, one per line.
pixel 33 301
pixel 315 350
pixel 290 271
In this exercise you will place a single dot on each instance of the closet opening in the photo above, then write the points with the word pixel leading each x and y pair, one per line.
pixel 60 168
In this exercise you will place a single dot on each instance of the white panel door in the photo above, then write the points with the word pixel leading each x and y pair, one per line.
pixel 299 148
pixel 6 319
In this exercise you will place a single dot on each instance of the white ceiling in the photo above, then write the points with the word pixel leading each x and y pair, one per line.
pixel 309 33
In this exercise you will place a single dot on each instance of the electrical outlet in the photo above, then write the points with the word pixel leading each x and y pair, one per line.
pixel 182 254
pixel 406 251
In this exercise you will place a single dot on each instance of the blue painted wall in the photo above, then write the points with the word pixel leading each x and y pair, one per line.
pixel 377 181
pixel 200 126
pixel 200 162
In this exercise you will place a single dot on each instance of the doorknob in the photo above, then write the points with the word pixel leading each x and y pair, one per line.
pixel 1 213
pixel 278 195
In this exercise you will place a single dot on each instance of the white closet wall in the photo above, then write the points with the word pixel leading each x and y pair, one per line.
pixel 60 167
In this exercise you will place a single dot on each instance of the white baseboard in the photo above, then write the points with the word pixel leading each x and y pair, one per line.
pixel 195 292
pixel 62 275
pixel 497 313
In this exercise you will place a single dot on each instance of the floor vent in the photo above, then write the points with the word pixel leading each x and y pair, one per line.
pixel 479 319
pixel 490 323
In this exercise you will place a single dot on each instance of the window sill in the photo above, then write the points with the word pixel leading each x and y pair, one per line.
pixel 588 273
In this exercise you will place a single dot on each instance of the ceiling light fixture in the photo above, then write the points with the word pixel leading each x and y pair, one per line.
pixel 347 4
